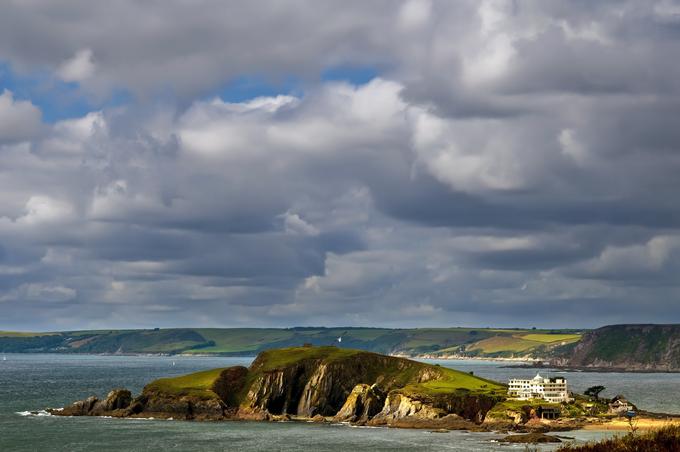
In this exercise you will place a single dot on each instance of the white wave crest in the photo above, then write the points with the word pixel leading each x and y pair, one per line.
pixel 36 413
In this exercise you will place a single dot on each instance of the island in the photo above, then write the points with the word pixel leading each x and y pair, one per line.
pixel 330 384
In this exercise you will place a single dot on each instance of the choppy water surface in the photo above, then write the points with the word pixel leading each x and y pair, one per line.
pixel 33 382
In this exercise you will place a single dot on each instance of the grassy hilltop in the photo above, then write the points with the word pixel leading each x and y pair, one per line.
pixel 201 384
pixel 483 342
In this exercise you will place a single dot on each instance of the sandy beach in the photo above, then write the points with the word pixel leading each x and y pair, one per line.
pixel 642 423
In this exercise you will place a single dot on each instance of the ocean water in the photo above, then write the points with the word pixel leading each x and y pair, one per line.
pixel 32 382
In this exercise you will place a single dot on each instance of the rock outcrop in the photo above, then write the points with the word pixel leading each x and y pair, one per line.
pixel 184 407
pixel 530 438
pixel 116 404
pixel 439 410
pixel 398 406
pixel 362 404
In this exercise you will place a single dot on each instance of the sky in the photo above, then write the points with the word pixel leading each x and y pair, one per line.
pixel 366 163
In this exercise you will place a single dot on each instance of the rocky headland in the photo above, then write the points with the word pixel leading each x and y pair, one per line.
pixel 329 384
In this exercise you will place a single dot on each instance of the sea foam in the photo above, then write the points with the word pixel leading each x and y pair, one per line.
pixel 36 413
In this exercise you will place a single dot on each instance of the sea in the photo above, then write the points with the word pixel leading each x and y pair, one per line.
pixel 30 383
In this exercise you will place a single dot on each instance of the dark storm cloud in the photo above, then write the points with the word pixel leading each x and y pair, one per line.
pixel 517 156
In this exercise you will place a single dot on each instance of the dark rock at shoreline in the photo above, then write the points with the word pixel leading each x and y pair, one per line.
pixel 447 422
pixel 530 438
pixel 116 401
pixel 79 408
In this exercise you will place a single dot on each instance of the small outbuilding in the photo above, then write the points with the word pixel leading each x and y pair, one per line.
pixel 549 412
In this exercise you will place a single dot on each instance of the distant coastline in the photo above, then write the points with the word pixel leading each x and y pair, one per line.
pixel 615 348
pixel 525 359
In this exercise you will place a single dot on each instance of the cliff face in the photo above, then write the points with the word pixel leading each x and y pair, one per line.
pixel 464 405
pixel 320 386
pixel 325 382
pixel 626 347
pixel 362 404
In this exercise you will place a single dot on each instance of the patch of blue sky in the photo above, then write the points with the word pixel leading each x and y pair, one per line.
pixel 60 100
pixel 245 88
pixel 356 75
pixel 56 99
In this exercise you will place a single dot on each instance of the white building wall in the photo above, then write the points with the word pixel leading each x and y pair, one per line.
pixel 550 389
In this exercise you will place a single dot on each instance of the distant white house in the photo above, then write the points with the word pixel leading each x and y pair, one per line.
pixel 619 405
pixel 549 389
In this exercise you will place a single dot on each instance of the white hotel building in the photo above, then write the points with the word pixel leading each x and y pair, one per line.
pixel 550 389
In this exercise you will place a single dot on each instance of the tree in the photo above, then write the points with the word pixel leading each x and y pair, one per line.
pixel 594 391
pixel 632 422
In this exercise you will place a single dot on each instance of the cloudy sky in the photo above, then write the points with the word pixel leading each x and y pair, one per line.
pixel 370 163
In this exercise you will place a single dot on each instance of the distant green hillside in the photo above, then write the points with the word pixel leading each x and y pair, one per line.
pixel 434 342
pixel 625 347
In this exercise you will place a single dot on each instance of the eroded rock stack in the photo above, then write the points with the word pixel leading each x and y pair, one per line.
pixel 117 401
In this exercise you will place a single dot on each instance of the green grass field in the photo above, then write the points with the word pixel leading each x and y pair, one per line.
pixel 275 359
pixel 240 339
pixel 197 384
pixel 521 342
pixel 500 344
pixel 552 338
pixel 453 380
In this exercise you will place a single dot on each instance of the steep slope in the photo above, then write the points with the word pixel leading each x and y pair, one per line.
pixel 625 347
pixel 317 380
